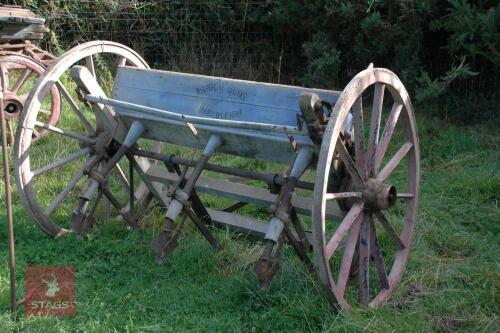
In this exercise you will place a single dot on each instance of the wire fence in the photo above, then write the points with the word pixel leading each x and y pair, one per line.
pixel 221 38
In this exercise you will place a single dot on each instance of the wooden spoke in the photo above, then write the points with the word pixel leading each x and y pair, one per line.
pixel 347 259
pixel 89 63
pixel 348 162
pixel 4 81
pixel 359 134
pixel 405 195
pixel 106 206
pixel 378 100
pixel 90 129
pixel 344 226
pixel 61 162
pixel 23 97
pixel 377 255
pixel 22 78
pixel 386 135
pixel 364 262
pixel 36 134
pixel 11 131
pixel 390 230
pixel 71 184
pixel 65 132
pixel 121 176
pixel 393 163
pixel 121 61
pixel 342 195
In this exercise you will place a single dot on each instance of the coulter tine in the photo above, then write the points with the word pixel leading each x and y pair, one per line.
pixel 166 241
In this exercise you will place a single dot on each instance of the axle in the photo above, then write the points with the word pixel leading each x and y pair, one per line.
pixel 272 179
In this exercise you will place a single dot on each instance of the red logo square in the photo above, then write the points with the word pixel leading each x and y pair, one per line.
pixel 50 290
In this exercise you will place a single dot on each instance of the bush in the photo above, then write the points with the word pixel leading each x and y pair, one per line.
pixel 446 52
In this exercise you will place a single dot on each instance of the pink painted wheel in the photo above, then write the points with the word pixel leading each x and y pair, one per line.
pixel 363 258
pixel 50 173
pixel 18 74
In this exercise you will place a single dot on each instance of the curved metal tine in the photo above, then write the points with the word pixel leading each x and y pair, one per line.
pixel 393 163
pixel 359 133
pixel 64 132
pixel 390 125
pixel 390 230
pixel 377 255
pixel 88 127
pixel 22 78
pixel 348 162
pixel 364 261
pixel 106 204
pixel 344 226
pixel 71 184
pixel 89 63
pixel 347 259
pixel 373 138
pixel 61 162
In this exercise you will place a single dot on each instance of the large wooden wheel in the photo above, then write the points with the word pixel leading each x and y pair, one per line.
pixel 51 173
pixel 18 74
pixel 363 258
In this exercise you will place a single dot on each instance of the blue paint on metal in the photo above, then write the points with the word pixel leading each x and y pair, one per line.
pixel 134 133
pixel 302 161
pixel 213 143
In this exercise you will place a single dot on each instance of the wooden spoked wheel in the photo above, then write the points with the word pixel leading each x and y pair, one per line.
pixel 50 173
pixel 18 74
pixel 363 258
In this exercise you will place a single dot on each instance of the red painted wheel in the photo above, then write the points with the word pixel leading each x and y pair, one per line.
pixel 18 74
pixel 379 193
pixel 50 173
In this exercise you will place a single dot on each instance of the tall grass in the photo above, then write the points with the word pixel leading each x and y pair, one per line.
pixel 450 285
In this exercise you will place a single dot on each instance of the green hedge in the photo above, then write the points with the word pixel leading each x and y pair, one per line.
pixel 446 52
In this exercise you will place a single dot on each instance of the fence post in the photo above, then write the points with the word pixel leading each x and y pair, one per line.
pixel 8 201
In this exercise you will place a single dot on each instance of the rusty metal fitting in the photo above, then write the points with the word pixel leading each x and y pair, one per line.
pixel 12 105
pixel 283 216
pixel 97 176
pixel 182 197
pixel 379 196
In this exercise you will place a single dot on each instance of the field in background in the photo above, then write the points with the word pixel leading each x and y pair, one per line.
pixel 451 282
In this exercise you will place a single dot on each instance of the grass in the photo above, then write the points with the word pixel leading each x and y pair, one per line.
pixel 450 284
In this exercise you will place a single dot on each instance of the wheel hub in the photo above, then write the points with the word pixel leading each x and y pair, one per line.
pixel 378 195
pixel 12 105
